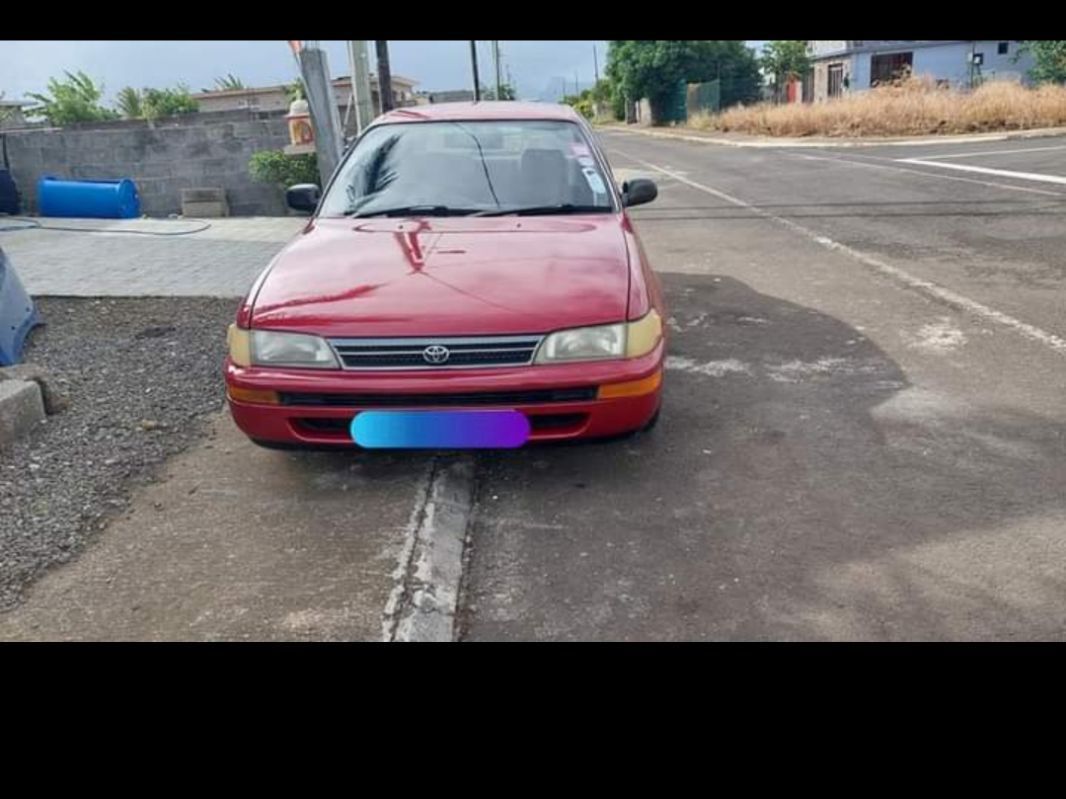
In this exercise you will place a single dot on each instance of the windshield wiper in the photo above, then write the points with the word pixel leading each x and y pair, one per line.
pixel 545 210
pixel 416 210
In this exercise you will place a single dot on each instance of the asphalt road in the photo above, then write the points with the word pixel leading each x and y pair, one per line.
pixel 862 435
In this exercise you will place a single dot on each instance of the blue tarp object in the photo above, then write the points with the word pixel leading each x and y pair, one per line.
pixel 18 314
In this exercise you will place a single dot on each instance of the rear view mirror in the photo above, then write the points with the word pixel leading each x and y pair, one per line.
pixel 639 191
pixel 302 197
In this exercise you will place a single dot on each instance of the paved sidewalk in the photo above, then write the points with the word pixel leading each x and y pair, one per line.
pixel 144 257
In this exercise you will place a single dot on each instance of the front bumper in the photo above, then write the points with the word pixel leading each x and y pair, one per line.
pixel 328 424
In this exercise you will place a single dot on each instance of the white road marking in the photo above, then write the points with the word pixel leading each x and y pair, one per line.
pixel 1025 189
pixel 926 287
pixel 940 337
pixel 995 152
pixel 984 170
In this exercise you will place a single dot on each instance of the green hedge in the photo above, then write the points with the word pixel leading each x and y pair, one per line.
pixel 273 166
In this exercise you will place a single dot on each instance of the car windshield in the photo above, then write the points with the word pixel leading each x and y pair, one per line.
pixel 467 167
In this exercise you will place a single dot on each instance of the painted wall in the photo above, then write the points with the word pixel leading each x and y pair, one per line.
pixel 950 62
pixel 821 76
pixel 194 151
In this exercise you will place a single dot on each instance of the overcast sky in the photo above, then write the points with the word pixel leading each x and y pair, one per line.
pixel 26 66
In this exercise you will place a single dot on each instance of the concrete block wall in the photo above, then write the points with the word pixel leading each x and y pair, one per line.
pixel 198 150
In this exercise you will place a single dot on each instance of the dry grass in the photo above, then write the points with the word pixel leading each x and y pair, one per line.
pixel 914 106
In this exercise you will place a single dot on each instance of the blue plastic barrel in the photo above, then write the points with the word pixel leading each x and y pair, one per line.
pixel 100 199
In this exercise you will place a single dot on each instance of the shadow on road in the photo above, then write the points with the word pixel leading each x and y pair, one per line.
pixel 797 487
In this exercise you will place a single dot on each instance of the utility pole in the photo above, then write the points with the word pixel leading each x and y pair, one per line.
pixel 384 76
pixel 496 57
pixel 473 61
pixel 595 63
pixel 323 106
pixel 360 65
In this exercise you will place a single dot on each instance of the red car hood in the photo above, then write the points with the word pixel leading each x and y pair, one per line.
pixel 447 276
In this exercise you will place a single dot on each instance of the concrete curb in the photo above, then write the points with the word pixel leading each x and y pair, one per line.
pixel 54 401
pixel 429 592
pixel 968 138
pixel 21 408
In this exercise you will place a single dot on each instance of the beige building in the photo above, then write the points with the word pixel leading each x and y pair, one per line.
pixel 277 98
pixel 11 114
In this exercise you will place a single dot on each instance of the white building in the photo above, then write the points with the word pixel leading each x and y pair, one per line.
pixel 841 67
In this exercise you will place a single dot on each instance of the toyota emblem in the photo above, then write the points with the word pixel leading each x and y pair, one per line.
pixel 435 353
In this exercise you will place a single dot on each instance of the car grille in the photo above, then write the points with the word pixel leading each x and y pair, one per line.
pixel 339 425
pixel 535 397
pixel 416 353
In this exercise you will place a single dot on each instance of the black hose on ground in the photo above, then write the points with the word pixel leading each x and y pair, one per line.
pixel 27 223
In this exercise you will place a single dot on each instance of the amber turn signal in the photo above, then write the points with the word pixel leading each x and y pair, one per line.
pixel 257 395
pixel 632 388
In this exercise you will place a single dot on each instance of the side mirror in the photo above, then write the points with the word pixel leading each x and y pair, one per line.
pixel 302 197
pixel 638 191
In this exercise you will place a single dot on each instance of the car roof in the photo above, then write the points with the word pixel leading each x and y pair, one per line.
pixel 507 109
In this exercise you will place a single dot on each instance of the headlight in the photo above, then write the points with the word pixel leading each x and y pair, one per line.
pixel 271 348
pixel 583 344
pixel 622 340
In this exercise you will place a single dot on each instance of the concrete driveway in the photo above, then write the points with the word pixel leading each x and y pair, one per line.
pixel 862 439
pixel 144 257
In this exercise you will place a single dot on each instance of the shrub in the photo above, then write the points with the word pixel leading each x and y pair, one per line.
pixel 167 102
pixel 273 166
pixel 914 106
pixel 155 103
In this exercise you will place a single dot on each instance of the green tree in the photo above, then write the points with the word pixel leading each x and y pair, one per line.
pixel 652 69
pixel 76 99
pixel 733 64
pixel 784 60
pixel 129 103
pixel 155 103
pixel 1050 57
pixel 582 103
pixel 507 92
pixel 228 83
pixel 168 102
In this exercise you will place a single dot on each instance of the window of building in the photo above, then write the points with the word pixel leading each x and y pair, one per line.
pixel 887 67
pixel 1003 48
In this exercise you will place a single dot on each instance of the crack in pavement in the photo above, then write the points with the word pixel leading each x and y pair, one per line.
pixel 424 602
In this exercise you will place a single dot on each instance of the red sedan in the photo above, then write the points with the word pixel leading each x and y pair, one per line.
pixel 466 256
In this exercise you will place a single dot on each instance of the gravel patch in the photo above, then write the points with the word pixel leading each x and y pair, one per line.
pixel 142 375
